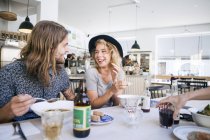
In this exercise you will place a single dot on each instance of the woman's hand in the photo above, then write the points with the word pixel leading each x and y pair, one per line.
pixel 114 71
pixel 118 86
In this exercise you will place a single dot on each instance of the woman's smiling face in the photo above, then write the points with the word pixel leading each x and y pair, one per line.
pixel 102 55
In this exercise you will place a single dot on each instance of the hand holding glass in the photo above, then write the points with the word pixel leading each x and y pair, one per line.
pixel 166 115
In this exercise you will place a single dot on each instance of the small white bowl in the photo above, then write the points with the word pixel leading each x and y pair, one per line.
pixel 128 98
pixel 62 105
pixel 199 119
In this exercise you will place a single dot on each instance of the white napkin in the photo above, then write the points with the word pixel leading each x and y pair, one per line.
pixel 7 130
pixel 185 111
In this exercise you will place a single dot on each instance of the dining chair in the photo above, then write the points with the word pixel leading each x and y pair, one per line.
pixel 184 85
pixel 158 91
pixel 76 84
pixel 199 83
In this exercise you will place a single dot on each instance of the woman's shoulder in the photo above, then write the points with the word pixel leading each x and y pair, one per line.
pixel 92 70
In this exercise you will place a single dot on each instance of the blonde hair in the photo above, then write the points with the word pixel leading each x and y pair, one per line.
pixel 115 56
pixel 39 53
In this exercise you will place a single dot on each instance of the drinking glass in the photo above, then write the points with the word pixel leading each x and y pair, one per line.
pixel 52 122
pixel 132 112
pixel 166 115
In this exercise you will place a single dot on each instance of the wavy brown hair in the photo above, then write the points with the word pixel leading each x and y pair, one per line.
pixel 115 56
pixel 39 53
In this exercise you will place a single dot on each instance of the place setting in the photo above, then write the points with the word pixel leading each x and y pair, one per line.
pixel 64 106
pixel 53 114
pixel 99 118
pixel 132 114
pixel 199 131
pixel 18 130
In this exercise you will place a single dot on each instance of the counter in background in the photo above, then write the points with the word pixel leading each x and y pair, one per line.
pixel 76 77
pixel 161 81
pixel 169 77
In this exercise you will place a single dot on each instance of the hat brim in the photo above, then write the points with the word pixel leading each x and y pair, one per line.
pixel 107 38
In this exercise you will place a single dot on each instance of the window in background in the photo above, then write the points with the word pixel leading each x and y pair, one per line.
pixel 187 54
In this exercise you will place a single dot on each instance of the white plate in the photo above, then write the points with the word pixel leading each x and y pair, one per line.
pixel 40 107
pixel 108 120
pixel 182 132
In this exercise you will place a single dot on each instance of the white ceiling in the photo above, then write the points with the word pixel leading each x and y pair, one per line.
pixel 96 16
pixel 92 16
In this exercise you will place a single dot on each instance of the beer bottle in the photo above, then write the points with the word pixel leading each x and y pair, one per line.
pixel 146 101
pixel 81 114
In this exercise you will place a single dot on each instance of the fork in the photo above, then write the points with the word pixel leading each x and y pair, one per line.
pixel 14 124
pixel 19 131
pixel 49 100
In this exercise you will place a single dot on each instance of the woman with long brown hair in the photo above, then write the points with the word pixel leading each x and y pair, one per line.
pixel 39 73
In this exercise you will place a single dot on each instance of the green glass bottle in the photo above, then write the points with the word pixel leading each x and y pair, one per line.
pixel 81 114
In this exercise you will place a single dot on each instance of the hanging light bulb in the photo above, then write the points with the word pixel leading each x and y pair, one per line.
pixel 26 26
pixel 135 46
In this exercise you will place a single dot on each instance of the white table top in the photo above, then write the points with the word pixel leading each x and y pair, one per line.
pixel 147 129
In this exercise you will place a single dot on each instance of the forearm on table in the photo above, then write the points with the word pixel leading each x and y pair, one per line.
pixel 115 98
pixel 68 94
pixel 6 115
pixel 202 94
pixel 102 100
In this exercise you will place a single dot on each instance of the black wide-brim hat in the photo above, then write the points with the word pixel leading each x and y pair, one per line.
pixel 92 43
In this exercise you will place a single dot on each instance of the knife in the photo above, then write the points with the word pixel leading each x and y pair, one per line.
pixel 20 131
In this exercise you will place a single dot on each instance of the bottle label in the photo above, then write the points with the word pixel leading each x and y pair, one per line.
pixel 81 119
pixel 146 103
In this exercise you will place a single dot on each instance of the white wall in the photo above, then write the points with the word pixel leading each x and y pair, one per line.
pixel 49 10
pixel 147 37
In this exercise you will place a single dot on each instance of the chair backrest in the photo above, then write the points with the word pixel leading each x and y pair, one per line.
pixel 75 84
pixel 199 83
pixel 199 79
pixel 158 91
pixel 185 79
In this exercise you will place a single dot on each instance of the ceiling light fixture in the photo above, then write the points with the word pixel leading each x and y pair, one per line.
pixel 7 15
pixel 135 46
pixel 26 26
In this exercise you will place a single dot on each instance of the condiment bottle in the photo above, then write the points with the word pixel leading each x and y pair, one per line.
pixel 81 114
pixel 146 99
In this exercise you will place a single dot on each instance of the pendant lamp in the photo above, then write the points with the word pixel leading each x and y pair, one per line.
pixel 26 26
pixel 135 46
pixel 7 15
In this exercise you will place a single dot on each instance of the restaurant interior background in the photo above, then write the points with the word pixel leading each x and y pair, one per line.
pixel 174 33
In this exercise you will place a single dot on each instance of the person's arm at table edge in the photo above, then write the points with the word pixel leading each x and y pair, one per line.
pixel 201 94
pixel 6 115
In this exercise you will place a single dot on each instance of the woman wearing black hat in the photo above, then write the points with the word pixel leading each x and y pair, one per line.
pixel 106 80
